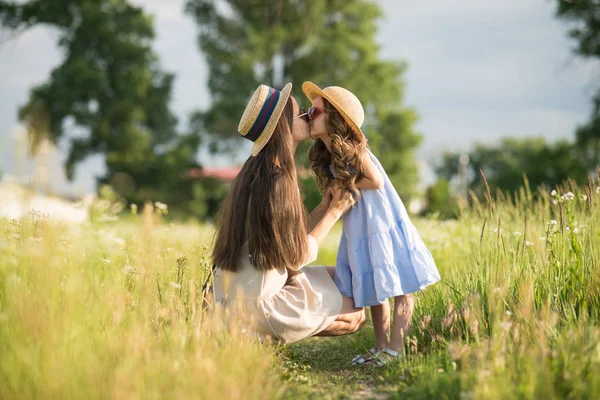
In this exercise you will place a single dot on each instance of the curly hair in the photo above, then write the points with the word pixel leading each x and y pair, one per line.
pixel 347 149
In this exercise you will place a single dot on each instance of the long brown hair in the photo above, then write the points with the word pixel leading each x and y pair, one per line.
pixel 347 149
pixel 264 208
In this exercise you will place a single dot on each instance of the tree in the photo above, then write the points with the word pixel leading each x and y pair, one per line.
pixel 440 200
pixel 585 18
pixel 108 96
pixel 504 164
pixel 330 42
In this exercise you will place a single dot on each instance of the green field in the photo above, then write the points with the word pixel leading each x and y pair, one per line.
pixel 114 310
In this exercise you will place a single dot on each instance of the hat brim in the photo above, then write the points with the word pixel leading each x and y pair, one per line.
pixel 266 134
pixel 312 91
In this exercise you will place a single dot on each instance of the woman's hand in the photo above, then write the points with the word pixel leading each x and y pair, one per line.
pixel 326 199
pixel 341 200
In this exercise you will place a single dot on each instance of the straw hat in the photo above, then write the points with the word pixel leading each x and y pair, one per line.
pixel 261 115
pixel 344 101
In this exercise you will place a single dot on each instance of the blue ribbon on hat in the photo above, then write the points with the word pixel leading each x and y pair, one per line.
pixel 264 116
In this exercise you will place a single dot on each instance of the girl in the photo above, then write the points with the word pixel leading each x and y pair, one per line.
pixel 381 254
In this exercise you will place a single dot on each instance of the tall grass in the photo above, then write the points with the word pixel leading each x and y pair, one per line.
pixel 517 313
pixel 115 309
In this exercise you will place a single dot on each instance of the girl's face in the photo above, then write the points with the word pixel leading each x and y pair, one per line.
pixel 317 127
pixel 300 129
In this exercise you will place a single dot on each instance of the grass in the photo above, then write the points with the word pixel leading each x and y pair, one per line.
pixel 114 310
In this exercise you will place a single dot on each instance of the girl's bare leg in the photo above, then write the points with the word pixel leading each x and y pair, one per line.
pixel 381 324
pixel 403 310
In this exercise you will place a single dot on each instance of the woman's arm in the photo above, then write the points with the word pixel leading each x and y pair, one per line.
pixel 317 214
pixel 340 202
pixel 372 178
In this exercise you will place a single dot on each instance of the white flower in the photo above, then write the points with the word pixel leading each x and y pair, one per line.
pixel 568 228
pixel 128 268
pixel 175 285
pixel 508 313
pixel 160 206
pixel 517 233
pixel 553 193
pixel 552 222
pixel 528 243
pixel 106 261
pixel 570 196
pixel 496 230
pixel 576 230
pixel 598 189
pixel 554 202
pixel 584 197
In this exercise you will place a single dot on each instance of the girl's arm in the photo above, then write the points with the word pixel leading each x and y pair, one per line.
pixel 372 178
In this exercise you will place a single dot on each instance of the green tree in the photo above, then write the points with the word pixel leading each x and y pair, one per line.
pixel 584 16
pixel 108 96
pixel 330 42
pixel 504 164
pixel 440 200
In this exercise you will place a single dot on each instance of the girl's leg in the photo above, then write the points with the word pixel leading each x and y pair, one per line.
pixel 381 324
pixel 403 311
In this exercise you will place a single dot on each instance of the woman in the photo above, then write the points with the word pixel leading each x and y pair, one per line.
pixel 264 238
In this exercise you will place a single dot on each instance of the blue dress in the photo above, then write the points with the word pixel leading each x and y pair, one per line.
pixel 381 254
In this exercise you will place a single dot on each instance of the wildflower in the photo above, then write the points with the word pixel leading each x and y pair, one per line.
pixel 134 208
pixel 161 206
pixel 496 230
pixel 569 196
pixel 175 285
pixel 128 268
pixel 554 202
pixel 106 261
pixel 598 189
pixel 576 230
pixel 552 222
pixel 528 243
pixel 517 233
pixel 584 197
pixel 553 193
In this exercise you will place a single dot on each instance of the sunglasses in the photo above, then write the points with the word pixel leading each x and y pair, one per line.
pixel 311 113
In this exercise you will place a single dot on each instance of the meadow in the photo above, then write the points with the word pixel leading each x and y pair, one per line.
pixel 114 308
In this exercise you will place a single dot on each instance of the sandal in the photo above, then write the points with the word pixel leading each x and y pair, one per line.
pixel 386 355
pixel 376 357
pixel 365 358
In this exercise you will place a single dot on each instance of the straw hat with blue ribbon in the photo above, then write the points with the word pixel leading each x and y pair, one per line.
pixel 262 114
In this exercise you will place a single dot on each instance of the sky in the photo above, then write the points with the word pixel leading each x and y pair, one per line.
pixel 477 71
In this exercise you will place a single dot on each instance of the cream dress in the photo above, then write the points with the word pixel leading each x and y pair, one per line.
pixel 283 305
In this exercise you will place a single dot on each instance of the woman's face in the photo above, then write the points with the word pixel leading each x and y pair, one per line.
pixel 299 125
pixel 317 127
